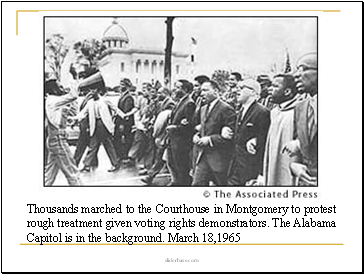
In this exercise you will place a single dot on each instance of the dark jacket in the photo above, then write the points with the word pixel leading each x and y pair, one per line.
pixel 219 152
pixel 125 104
pixel 306 131
pixel 184 110
pixel 255 124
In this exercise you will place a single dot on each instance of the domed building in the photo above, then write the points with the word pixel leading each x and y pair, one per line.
pixel 137 64
pixel 115 36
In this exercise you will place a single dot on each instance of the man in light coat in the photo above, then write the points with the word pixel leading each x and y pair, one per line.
pixel 101 128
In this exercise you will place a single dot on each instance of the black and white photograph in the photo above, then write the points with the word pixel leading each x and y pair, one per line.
pixel 180 136
pixel 181 101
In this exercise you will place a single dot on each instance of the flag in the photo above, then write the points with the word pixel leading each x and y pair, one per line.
pixel 288 63
pixel 194 41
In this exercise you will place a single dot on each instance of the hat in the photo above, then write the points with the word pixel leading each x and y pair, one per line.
pixel 126 81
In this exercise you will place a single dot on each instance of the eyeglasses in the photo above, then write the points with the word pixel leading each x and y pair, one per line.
pixel 305 68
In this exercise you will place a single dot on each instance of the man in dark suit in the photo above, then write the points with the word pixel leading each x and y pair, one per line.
pixel 250 135
pixel 180 131
pixel 196 96
pixel 214 151
pixel 123 138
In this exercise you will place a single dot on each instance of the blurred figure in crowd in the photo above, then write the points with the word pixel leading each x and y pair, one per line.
pixel 265 98
pixel 160 134
pixel 230 95
pixel 196 96
pixel 123 138
pixel 142 150
pixel 180 131
pixel 57 109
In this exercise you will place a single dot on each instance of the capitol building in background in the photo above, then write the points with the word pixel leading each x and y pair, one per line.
pixel 134 47
pixel 140 64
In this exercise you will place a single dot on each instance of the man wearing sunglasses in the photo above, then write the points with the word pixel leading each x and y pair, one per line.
pixel 250 135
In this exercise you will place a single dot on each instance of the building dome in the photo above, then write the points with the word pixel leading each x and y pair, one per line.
pixel 115 35
pixel 115 31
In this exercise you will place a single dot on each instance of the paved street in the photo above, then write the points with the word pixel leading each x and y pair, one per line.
pixel 101 177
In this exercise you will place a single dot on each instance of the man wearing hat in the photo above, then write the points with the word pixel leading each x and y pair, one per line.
pixel 264 96
pixel 99 110
pixel 123 138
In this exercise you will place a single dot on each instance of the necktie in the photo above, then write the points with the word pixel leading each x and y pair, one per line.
pixel 239 120
pixel 207 110
pixel 204 118
pixel 241 115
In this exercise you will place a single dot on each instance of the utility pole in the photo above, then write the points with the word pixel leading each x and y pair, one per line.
pixel 168 53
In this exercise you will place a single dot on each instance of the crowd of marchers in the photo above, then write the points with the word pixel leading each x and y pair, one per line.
pixel 258 132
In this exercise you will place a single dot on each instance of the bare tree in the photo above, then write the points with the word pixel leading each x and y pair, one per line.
pixel 55 53
pixel 168 53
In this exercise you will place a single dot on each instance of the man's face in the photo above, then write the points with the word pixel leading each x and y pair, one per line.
pixel 123 87
pixel 178 90
pixel 278 90
pixel 264 92
pixel 306 74
pixel 196 87
pixel 243 93
pixel 153 94
pixel 208 93
pixel 161 94
pixel 232 81
pixel 178 86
